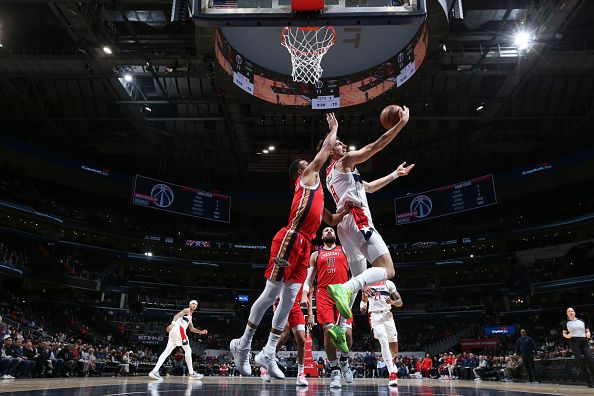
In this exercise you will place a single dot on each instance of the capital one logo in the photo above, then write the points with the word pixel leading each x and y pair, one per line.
pixel 163 195
pixel 421 206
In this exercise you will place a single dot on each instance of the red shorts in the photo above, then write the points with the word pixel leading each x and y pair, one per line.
pixel 326 308
pixel 296 316
pixel 293 247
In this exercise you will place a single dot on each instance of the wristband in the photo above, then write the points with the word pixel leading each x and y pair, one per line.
pixel 394 174
pixel 363 305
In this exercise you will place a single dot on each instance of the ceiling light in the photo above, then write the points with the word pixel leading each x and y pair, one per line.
pixel 107 50
pixel 522 40
pixel 128 77
pixel 265 151
pixel 271 148
pixel 147 108
pixel 480 107
pixel 1 45
pixel 352 148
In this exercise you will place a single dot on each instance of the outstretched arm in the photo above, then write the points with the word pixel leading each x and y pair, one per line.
pixel 195 330
pixel 355 157
pixel 380 183
pixel 310 172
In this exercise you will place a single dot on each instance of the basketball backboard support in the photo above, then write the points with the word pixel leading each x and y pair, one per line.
pixel 336 13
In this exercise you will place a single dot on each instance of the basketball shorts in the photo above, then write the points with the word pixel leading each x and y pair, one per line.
pixel 292 247
pixel 326 309
pixel 296 317
pixel 382 324
pixel 178 336
pixel 354 244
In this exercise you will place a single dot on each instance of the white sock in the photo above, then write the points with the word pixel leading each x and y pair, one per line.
pixel 368 277
pixel 333 364
pixel 270 348
pixel 300 368
pixel 245 342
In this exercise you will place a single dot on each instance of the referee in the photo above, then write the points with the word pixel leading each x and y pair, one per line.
pixel 578 334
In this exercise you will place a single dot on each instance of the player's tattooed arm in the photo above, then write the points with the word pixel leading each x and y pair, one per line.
pixel 180 314
pixel 197 331
pixel 394 299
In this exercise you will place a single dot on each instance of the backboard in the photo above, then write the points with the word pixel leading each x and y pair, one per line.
pixel 380 44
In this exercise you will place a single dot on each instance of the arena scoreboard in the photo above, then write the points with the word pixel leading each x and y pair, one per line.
pixel 187 201
pixel 458 197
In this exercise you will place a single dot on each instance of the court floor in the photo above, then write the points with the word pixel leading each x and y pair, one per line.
pixel 225 386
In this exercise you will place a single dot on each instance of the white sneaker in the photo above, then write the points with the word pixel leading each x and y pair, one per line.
pixel 301 380
pixel 241 357
pixel 264 375
pixel 347 374
pixel 154 375
pixel 477 379
pixel 269 363
pixel 336 377
pixel 196 375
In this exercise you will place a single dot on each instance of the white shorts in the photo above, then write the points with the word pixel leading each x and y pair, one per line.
pixel 382 325
pixel 175 337
pixel 355 246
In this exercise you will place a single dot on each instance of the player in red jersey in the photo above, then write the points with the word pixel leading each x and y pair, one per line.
pixel 289 254
pixel 297 325
pixel 330 263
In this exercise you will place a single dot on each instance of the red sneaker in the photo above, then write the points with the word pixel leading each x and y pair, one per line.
pixel 393 379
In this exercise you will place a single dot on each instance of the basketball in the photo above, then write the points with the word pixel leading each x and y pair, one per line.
pixel 390 116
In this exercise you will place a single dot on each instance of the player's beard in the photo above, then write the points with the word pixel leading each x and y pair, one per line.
pixel 329 240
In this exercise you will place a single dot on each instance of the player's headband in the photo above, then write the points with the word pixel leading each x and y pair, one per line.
pixel 193 302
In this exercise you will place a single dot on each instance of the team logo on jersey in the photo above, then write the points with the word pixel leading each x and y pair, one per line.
pixel 163 195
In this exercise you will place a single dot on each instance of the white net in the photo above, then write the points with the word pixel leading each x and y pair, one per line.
pixel 307 46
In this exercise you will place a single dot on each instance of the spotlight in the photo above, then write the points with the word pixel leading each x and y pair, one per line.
pixel 480 107
pixel 149 254
pixel 472 256
pixel 265 151
pixel 107 50
pixel 147 108
pixel 351 148
pixel 522 40
pixel 270 148
pixel 128 77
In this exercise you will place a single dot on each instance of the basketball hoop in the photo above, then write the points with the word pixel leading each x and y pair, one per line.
pixel 307 46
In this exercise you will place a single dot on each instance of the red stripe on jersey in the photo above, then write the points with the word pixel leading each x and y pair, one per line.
pixel 332 266
pixel 183 333
pixel 360 218
pixel 329 169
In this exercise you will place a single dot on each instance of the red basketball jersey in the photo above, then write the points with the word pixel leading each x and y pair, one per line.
pixel 332 266
pixel 306 210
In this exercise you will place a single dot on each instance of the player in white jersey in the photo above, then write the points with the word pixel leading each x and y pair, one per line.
pixel 181 322
pixel 381 296
pixel 359 238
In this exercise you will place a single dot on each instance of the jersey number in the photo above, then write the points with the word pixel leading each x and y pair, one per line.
pixel 377 296
pixel 331 267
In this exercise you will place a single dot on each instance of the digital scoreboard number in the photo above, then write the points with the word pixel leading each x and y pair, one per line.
pixel 157 194
pixel 455 198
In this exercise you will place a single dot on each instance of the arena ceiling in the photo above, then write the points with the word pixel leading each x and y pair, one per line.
pixel 479 106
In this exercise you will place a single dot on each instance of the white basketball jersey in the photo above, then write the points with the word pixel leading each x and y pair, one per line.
pixel 349 186
pixel 184 321
pixel 381 291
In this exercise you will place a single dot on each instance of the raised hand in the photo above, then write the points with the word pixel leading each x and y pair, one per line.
pixel 332 121
pixel 404 170
pixel 404 114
